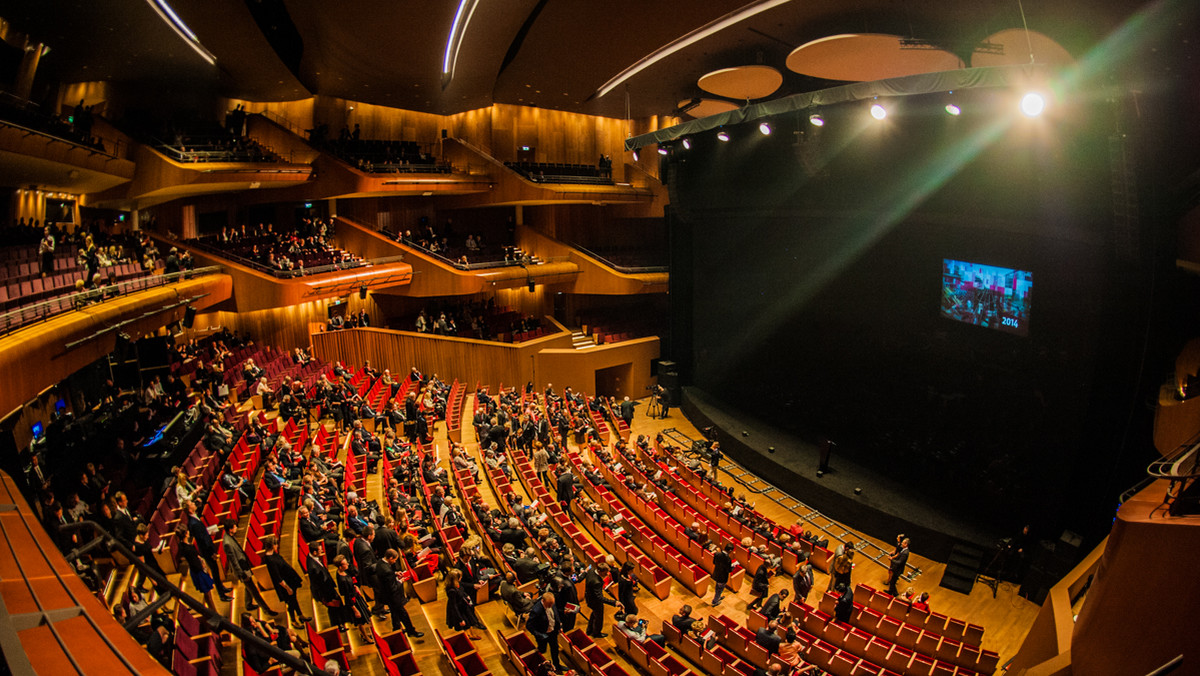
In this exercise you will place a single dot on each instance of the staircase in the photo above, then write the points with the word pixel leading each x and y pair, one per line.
pixel 580 341
pixel 965 561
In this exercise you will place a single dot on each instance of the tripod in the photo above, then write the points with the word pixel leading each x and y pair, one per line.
pixel 654 408
pixel 990 575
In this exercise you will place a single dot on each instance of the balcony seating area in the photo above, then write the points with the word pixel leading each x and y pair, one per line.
pixel 281 252
pixel 385 156
pixel 27 297
pixel 474 320
pixel 203 141
pixel 77 129
pixel 557 172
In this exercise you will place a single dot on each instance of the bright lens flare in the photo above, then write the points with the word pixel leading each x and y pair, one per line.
pixel 1032 104
pixel 878 112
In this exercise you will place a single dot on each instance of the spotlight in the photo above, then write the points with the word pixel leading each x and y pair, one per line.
pixel 816 120
pixel 745 433
pixel 878 112
pixel 635 155
pixel 770 449
pixel 953 109
pixel 663 151
pixel 857 490
pixel 764 129
pixel 820 474
pixel 722 136
pixel 1032 104
pixel 687 144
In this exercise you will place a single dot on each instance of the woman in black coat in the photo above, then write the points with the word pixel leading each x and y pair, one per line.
pixel 626 587
pixel 353 604
pixel 460 607
pixel 761 586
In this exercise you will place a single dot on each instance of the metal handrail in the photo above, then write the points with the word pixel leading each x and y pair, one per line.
pixel 292 274
pixel 621 268
pixel 212 618
pixel 14 319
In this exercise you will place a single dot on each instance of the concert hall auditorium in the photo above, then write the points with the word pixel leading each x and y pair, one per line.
pixel 605 338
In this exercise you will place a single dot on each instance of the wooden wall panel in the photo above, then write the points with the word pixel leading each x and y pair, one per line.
pixel 463 358
pixel 577 368
pixel 298 114
pixel 284 327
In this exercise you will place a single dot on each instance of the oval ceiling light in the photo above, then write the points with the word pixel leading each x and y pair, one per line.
pixel 878 112
pixel 764 129
pixel 687 144
pixel 953 109
pixel 722 135
pixel 816 120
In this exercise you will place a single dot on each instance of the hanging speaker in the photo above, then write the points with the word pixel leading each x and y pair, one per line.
pixel 362 292
pixel 189 317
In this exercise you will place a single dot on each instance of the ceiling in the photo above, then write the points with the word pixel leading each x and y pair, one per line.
pixel 527 52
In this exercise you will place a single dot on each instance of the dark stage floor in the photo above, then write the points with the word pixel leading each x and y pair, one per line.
pixel 884 508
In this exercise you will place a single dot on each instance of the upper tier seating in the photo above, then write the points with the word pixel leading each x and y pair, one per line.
pixel 554 172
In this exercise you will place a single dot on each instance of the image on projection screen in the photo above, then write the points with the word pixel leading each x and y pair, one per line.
pixel 986 295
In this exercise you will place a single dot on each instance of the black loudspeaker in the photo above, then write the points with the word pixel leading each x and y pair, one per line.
pixel 531 286
pixel 670 382
pixel 189 317
pixel 362 292
pixel 445 133
pixel 665 367
pixel 1036 585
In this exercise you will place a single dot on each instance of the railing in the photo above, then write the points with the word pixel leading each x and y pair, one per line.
pixel 256 154
pixel 36 312
pixel 452 263
pixel 211 618
pixel 622 268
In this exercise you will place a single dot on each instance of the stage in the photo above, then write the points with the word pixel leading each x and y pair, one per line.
pixel 883 509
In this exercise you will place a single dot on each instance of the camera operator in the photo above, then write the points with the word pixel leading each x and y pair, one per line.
pixel 664 400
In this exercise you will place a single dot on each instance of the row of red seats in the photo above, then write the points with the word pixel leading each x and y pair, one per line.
pixel 681 567
pixel 693 485
pixel 454 411
pixel 460 650
pixel 901 609
pixel 197 650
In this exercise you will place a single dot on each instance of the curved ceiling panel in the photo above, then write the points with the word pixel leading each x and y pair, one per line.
pixel 742 82
pixel 862 57
pixel 708 107
pixel 1016 46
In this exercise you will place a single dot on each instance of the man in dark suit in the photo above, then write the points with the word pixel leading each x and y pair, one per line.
pixel 314 530
pixel 238 566
pixel 205 545
pixel 896 568
pixel 124 522
pixel 285 579
pixel 386 538
pixel 802 580
pixel 513 533
pixel 768 638
pixel 593 596
pixel 365 560
pixel 394 594
pixel 627 411
pixel 545 624
pixel 722 565
pixel 774 604
pixel 683 621
pixel 526 566
pixel 566 488
pixel 320 582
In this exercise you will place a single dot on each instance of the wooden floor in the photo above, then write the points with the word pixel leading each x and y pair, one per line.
pixel 1006 618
